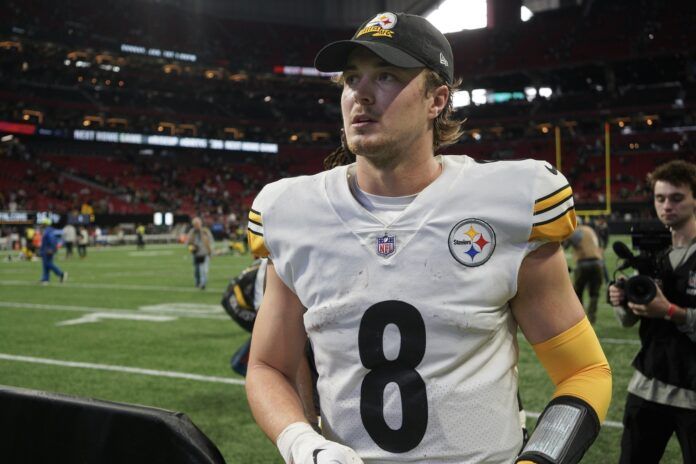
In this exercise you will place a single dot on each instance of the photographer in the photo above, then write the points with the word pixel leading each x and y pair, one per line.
pixel 662 392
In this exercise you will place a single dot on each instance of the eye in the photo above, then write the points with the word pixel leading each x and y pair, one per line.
pixel 386 77
pixel 350 79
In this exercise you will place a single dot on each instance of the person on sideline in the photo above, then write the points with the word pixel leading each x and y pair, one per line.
pixel 410 273
pixel 48 250
pixel 661 398
pixel 588 257
pixel 200 243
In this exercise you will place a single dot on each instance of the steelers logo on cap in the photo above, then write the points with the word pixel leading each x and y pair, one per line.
pixel 383 20
pixel 471 242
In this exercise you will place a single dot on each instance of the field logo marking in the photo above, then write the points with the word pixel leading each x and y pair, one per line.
pixel 183 308
pixel 98 317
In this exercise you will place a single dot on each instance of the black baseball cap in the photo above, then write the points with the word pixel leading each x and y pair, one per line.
pixel 401 39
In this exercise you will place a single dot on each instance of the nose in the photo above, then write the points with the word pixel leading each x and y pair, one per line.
pixel 363 92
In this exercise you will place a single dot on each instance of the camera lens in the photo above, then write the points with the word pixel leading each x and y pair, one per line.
pixel 640 289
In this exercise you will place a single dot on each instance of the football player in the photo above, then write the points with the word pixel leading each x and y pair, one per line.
pixel 410 274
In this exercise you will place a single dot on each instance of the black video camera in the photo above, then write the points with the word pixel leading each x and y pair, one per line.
pixel 650 239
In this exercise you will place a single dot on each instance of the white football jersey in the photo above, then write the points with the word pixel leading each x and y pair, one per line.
pixel 413 337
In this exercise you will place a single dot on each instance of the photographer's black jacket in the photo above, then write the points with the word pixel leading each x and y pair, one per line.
pixel 666 353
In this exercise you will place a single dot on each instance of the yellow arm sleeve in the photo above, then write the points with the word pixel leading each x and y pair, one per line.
pixel 577 366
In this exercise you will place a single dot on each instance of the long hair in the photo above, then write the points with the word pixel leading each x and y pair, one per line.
pixel 446 129
pixel 341 156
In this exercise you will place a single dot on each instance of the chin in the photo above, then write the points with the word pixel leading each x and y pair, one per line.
pixel 367 146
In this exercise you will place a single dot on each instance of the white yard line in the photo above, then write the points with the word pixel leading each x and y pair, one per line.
pixel 171 374
pixel 126 369
pixel 89 309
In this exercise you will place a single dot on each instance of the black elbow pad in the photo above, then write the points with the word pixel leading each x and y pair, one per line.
pixel 565 430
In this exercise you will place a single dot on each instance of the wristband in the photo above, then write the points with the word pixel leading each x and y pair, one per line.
pixel 670 311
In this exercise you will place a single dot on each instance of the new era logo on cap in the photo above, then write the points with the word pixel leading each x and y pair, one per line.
pixel 443 60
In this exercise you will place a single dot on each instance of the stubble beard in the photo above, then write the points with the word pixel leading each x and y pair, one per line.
pixel 382 153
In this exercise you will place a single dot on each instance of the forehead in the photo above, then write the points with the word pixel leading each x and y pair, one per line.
pixel 362 57
pixel 666 188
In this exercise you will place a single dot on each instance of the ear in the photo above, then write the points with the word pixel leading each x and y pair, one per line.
pixel 439 97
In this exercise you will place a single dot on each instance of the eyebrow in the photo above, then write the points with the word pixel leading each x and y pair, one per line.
pixel 379 64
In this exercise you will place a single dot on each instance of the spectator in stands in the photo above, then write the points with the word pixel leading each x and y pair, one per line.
pixel 49 247
pixel 69 237
pixel 200 244
pixel 86 208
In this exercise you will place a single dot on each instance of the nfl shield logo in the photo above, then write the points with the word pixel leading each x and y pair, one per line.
pixel 386 245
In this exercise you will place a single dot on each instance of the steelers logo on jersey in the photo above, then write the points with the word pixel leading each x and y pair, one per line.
pixel 472 242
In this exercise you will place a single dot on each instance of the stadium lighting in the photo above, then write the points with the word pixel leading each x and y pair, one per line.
pixel 157 219
pixel 478 96
pixel 461 98
pixel 545 92
pixel 456 15
pixel 525 14
pixel 168 219
pixel 530 92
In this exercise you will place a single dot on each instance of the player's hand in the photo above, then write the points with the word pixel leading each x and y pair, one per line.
pixel 616 294
pixel 333 453
pixel 298 443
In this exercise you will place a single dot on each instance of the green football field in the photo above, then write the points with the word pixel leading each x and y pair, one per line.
pixel 129 326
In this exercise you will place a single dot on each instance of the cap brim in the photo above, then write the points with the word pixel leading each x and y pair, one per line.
pixel 334 56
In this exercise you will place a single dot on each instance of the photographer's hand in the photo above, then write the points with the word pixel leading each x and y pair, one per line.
pixel 616 294
pixel 656 309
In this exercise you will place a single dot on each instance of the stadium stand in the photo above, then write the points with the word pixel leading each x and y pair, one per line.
pixel 68 70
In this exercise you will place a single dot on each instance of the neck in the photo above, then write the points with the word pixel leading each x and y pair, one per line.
pixel 404 176
pixel 683 235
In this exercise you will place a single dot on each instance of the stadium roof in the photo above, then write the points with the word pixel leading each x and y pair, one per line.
pixel 319 13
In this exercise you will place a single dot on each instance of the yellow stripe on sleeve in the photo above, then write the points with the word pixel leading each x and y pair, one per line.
pixel 255 216
pixel 553 199
pixel 257 244
pixel 556 229
pixel 577 366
